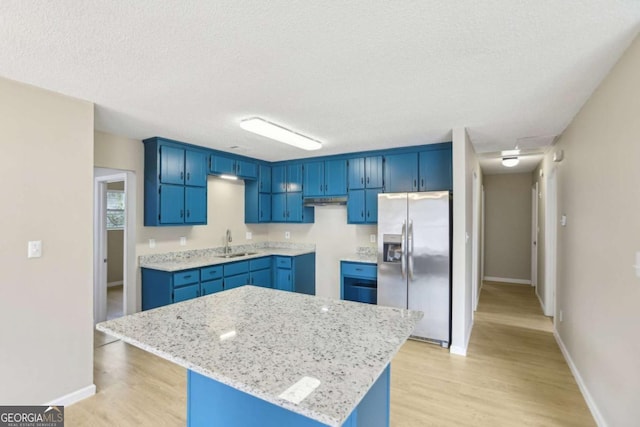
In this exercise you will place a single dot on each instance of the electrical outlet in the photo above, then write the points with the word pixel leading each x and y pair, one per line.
pixel 372 238
pixel 34 249
pixel 248 235
pixel 152 243
pixel 287 235
pixel 561 315
pixel 183 241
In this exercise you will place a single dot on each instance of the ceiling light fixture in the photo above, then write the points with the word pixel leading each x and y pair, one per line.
pixel 510 162
pixel 279 133
pixel 229 177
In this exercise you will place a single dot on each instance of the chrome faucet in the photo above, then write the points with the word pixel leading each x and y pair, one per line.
pixel 227 239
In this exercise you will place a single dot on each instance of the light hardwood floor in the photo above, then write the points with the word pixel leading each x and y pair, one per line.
pixel 513 375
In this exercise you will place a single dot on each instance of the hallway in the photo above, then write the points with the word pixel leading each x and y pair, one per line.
pixel 514 372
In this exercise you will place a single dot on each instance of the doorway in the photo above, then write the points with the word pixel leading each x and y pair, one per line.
pixel 534 236
pixel 550 249
pixel 114 244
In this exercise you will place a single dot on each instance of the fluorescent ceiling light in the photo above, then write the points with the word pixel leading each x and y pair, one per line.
pixel 273 131
pixel 510 152
pixel 510 161
pixel 230 177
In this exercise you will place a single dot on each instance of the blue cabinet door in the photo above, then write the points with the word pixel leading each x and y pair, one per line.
pixel 314 184
pixel 435 170
pixel 335 177
pixel 246 170
pixel 264 207
pixel 186 292
pixel 222 165
pixel 356 173
pixel 195 167
pixel 279 179
pixel 172 204
pixel 264 179
pixel 279 207
pixel 373 172
pixel 211 287
pixel 371 204
pixel 261 278
pixel 356 207
pixel 236 281
pixel 294 177
pixel 283 280
pixel 195 205
pixel 171 165
pixel 294 207
pixel 401 173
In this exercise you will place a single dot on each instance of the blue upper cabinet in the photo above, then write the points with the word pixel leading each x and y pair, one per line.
pixel 401 172
pixel 279 179
pixel 175 184
pixel 257 197
pixel 171 165
pixel 436 170
pixel 195 168
pixel 221 165
pixel 365 172
pixel 328 178
pixel 294 178
pixel 264 179
pixel 362 206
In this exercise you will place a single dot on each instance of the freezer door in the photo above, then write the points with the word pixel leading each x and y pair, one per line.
pixel 392 260
pixel 428 263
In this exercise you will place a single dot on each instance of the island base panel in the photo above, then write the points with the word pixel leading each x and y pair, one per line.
pixel 211 403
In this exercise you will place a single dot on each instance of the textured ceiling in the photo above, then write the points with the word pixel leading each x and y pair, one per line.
pixel 355 75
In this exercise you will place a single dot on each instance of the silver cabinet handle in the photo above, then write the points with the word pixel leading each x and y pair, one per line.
pixel 410 248
pixel 403 258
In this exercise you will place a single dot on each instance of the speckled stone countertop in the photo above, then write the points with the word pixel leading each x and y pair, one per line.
pixel 276 338
pixel 366 254
pixel 196 258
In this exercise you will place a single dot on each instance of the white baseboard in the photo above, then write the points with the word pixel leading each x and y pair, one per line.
pixel 507 280
pixel 595 412
pixel 462 350
pixel 116 283
pixel 74 396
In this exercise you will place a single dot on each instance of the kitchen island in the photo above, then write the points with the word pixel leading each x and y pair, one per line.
pixel 264 357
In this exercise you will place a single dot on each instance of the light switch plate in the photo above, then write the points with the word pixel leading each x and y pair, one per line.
pixel 183 241
pixel 152 243
pixel 248 235
pixel 34 249
pixel 372 238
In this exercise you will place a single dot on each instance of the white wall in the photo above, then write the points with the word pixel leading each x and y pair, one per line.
pixel 598 291
pixel 46 307
pixel 464 164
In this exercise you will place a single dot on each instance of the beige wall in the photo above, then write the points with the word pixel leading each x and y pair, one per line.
pixel 598 292
pixel 46 309
pixel 508 226
pixel 330 232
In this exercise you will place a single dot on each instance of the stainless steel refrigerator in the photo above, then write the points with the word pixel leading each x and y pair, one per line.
pixel 414 259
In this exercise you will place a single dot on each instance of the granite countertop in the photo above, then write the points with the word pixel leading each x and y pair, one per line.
pixel 176 261
pixel 262 341
pixel 366 254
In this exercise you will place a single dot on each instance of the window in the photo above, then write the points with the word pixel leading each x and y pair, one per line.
pixel 115 210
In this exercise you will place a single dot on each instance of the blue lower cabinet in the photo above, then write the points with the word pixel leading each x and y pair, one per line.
pixel 283 280
pixel 261 278
pixel 295 274
pixel 359 282
pixel 186 292
pixel 211 287
pixel 236 281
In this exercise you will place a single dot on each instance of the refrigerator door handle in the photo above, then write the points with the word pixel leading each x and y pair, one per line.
pixel 403 258
pixel 410 248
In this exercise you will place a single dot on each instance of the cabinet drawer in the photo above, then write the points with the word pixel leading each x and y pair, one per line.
pixel 236 281
pixel 356 269
pixel 210 273
pixel 260 263
pixel 236 268
pixel 283 262
pixel 186 277
pixel 359 293
pixel 211 287
pixel 186 292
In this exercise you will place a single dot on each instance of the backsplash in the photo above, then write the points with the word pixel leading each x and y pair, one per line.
pixel 368 251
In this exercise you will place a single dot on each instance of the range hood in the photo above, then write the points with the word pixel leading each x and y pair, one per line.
pixel 325 201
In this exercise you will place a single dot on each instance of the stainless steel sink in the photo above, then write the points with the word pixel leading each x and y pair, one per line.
pixel 236 255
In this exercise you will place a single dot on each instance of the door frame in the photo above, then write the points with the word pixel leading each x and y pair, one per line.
pixel 534 235
pixel 551 235
pixel 102 177
pixel 475 244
